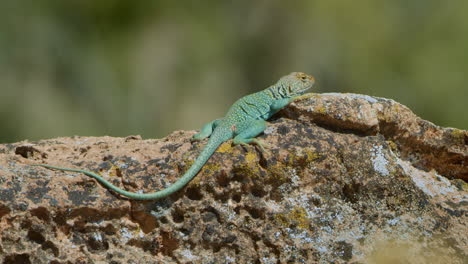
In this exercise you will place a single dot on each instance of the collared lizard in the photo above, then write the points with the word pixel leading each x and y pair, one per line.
pixel 243 122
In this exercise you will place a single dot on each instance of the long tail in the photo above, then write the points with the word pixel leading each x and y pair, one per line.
pixel 206 153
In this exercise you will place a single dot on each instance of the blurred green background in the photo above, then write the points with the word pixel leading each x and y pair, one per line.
pixel 115 67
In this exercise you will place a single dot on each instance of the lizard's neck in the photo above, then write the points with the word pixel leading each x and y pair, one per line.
pixel 276 91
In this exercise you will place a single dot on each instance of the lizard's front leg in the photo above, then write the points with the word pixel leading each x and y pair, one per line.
pixel 207 129
pixel 276 106
pixel 281 103
pixel 247 131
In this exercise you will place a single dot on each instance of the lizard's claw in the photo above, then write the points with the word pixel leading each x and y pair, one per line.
pixel 262 145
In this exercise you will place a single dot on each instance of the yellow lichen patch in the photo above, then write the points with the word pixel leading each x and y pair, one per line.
pixel 188 163
pixel 277 175
pixel 195 182
pixel 393 146
pixel 299 215
pixel 311 155
pixel 114 171
pixel 296 217
pixel 280 172
pixel 212 167
pixel 282 220
pixel 250 157
pixel 225 147
pixel 458 135
pixel 320 109
pixel 302 159
pixel 208 169
pixel 457 132
pixel 137 230
pixel 248 170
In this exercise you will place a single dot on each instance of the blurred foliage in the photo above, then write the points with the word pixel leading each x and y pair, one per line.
pixel 115 67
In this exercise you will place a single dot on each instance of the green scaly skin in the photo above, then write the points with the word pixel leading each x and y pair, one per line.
pixel 243 122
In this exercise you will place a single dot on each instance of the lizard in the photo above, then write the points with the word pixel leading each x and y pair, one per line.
pixel 244 120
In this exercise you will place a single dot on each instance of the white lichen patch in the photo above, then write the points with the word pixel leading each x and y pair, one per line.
pixel 430 183
pixel 188 255
pixel 97 237
pixel 295 180
pixel 227 211
pixel 161 212
pixel 123 165
pixel 332 228
pixel 230 259
pixel 302 236
pixel 334 94
pixel 277 235
pixel 379 161
pixel 269 260
pixel 302 201
pixel 126 235
pixel 368 98
pixel 273 206
pixel 393 221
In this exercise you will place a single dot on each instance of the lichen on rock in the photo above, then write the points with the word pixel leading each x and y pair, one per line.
pixel 347 179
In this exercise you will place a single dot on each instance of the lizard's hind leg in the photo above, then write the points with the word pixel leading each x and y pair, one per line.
pixel 247 131
pixel 207 129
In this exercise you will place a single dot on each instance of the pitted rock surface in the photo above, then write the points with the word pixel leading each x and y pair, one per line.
pixel 347 179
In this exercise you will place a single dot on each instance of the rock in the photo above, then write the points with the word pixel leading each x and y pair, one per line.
pixel 348 179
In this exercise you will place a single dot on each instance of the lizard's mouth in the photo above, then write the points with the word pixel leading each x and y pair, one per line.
pixel 303 91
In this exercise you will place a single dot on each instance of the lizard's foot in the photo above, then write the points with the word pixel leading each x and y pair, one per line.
pixel 248 130
pixel 206 130
pixel 262 145
pixel 196 137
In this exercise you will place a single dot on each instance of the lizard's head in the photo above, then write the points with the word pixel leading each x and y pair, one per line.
pixel 294 84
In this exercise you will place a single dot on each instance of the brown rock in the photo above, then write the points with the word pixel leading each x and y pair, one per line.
pixel 348 179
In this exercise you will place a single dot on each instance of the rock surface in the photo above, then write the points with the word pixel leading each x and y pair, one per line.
pixel 347 179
